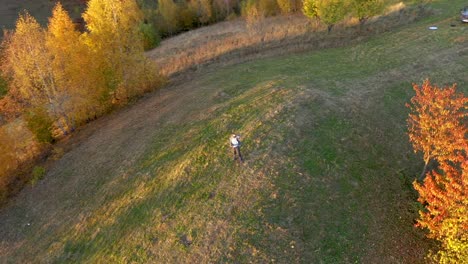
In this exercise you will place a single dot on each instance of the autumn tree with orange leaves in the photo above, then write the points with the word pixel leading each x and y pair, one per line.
pixel 437 127
pixel 436 123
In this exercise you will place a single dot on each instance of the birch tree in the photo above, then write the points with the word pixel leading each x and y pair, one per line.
pixel 116 44
pixel 28 63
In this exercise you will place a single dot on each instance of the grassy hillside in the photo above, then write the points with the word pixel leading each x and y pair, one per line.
pixel 327 177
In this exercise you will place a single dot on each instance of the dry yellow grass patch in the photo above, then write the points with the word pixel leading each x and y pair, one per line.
pixel 238 40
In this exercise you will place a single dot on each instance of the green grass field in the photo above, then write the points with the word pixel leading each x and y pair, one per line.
pixel 327 177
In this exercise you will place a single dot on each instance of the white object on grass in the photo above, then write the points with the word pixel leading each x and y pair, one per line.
pixel 432 28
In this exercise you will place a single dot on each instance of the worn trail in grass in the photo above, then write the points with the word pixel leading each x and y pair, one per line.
pixel 327 176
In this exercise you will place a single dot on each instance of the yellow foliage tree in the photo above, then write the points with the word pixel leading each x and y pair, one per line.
pixel 115 41
pixel 223 8
pixel 309 8
pixel 168 12
pixel 364 9
pixel 254 10
pixel 203 10
pixel 331 12
pixel 443 193
pixel 289 6
pixel 28 63
pixel 454 236
pixel 73 68
pixel 251 12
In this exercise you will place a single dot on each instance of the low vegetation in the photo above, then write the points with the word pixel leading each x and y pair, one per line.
pixel 3 87
pixel 238 41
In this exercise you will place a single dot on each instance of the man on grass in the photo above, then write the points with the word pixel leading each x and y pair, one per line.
pixel 235 144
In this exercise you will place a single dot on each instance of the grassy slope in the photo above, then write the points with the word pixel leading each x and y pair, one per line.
pixel 327 178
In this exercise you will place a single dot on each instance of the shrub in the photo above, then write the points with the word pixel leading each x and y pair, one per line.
pixel 250 11
pixel 253 10
pixel 331 12
pixel 40 124
pixel 223 8
pixel 3 87
pixel 364 9
pixel 7 162
pixel 454 248
pixel 151 37
pixel 309 8
pixel 167 13
pixel 187 17
pixel 37 174
pixel 203 11
pixel 18 149
pixel 268 7
pixel 289 6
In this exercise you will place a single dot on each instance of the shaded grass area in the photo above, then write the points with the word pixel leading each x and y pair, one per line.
pixel 327 177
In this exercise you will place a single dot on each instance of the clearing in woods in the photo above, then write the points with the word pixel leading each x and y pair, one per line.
pixel 328 169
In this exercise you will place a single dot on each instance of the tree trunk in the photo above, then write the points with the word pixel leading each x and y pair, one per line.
pixel 423 173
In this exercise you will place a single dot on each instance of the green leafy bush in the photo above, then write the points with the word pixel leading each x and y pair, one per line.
pixel 253 10
pixel 364 9
pixel 3 87
pixel 268 7
pixel 40 124
pixel 37 174
pixel 187 17
pixel 151 37
pixel 331 12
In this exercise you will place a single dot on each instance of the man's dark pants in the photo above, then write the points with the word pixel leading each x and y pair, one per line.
pixel 237 152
